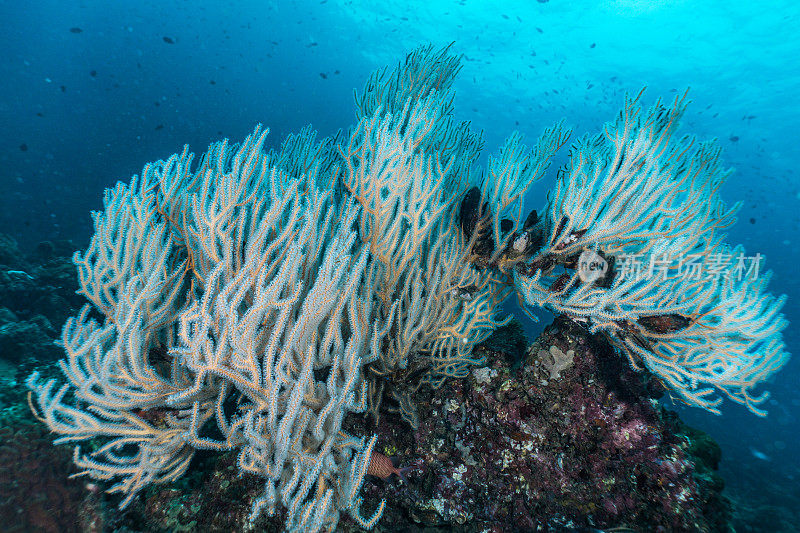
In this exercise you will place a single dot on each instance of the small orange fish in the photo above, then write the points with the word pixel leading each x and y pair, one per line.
pixel 382 467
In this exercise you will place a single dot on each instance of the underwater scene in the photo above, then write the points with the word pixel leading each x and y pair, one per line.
pixel 453 265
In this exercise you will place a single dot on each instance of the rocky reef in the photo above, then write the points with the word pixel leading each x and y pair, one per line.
pixel 37 294
pixel 521 446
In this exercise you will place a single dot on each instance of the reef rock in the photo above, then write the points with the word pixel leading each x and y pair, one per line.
pixel 519 447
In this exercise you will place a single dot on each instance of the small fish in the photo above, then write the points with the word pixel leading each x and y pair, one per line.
pixel 464 293
pixel 75 30
pixel 760 455
pixel 323 75
pixel 19 274
pixel 169 40
pixel 669 323
pixel 382 467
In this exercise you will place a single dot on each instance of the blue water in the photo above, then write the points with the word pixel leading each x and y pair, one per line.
pixel 90 92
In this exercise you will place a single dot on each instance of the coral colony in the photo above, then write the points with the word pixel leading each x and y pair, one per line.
pixel 251 300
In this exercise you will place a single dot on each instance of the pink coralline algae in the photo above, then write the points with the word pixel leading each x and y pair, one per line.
pixel 511 449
